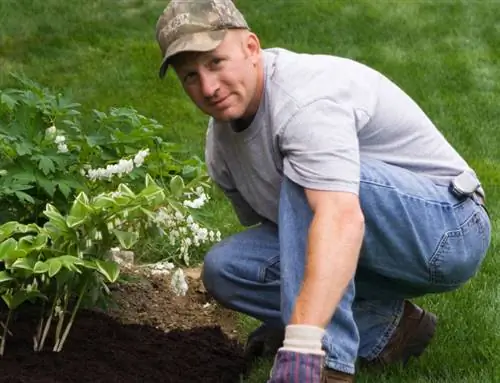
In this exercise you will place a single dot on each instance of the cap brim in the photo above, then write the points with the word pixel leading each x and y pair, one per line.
pixel 195 42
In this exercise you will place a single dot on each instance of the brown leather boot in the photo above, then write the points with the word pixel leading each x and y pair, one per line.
pixel 412 336
pixel 332 376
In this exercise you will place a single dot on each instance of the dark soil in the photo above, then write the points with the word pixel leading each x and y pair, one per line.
pixel 151 336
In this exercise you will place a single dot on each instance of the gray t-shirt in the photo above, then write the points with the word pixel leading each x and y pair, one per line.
pixel 318 115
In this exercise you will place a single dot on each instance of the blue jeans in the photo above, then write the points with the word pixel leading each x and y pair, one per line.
pixel 419 239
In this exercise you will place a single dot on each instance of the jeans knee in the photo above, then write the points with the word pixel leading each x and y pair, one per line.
pixel 213 271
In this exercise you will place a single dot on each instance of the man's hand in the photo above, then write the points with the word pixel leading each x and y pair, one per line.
pixel 334 242
pixel 301 357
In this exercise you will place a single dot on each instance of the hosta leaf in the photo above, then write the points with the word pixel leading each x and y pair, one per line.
pixel 109 269
pixel 7 248
pixel 177 186
pixel 5 276
pixel 127 239
pixel 46 165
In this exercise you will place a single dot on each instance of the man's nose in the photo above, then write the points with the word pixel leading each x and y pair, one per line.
pixel 209 85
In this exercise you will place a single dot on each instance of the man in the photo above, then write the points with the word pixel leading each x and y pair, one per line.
pixel 356 202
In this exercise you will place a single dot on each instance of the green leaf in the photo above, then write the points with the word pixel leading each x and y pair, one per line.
pixel 7 229
pixel 126 238
pixel 70 262
pixel 177 186
pixel 79 211
pixel 90 264
pixel 103 202
pixel 41 267
pixel 26 263
pixel 124 189
pixel 46 165
pixel 54 266
pixel 48 185
pixel 55 217
pixel 149 181
pixel 40 242
pixel 7 248
pixel 5 276
pixel 7 100
pixel 65 188
pixel 19 297
pixel 25 243
pixel 22 196
pixel 23 148
pixel 109 269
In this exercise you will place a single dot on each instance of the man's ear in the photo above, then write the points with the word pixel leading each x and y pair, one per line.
pixel 252 45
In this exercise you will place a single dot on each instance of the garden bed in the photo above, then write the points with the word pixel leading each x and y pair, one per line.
pixel 150 336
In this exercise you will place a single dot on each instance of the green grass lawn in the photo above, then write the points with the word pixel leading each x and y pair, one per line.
pixel 445 54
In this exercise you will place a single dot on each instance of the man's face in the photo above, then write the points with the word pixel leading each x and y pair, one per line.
pixel 224 83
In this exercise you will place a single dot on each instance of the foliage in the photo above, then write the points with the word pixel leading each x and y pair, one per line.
pixel 68 258
pixel 49 152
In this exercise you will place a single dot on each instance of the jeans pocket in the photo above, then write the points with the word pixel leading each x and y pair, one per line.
pixel 270 270
pixel 460 252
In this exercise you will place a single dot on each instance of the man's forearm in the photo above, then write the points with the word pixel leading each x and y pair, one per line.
pixel 333 250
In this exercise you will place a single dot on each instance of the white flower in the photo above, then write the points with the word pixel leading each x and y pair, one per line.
pixel 60 139
pixel 124 166
pixel 51 131
pixel 178 283
pixel 62 148
pixel 140 156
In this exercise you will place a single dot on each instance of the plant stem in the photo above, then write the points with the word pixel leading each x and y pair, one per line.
pixel 5 331
pixel 47 325
pixel 38 335
pixel 61 319
pixel 73 314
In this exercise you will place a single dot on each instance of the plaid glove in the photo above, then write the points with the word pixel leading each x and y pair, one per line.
pixel 301 357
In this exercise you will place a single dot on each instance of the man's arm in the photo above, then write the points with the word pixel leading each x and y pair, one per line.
pixel 334 242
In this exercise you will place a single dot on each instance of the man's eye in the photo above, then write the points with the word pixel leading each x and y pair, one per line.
pixel 216 61
pixel 189 77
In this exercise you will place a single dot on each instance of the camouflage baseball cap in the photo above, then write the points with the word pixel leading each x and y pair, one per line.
pixel 195 25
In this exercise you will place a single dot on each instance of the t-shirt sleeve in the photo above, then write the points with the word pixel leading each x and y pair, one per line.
pixel 320 149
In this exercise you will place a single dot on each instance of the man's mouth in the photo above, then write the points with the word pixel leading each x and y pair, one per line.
pixel 219 102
